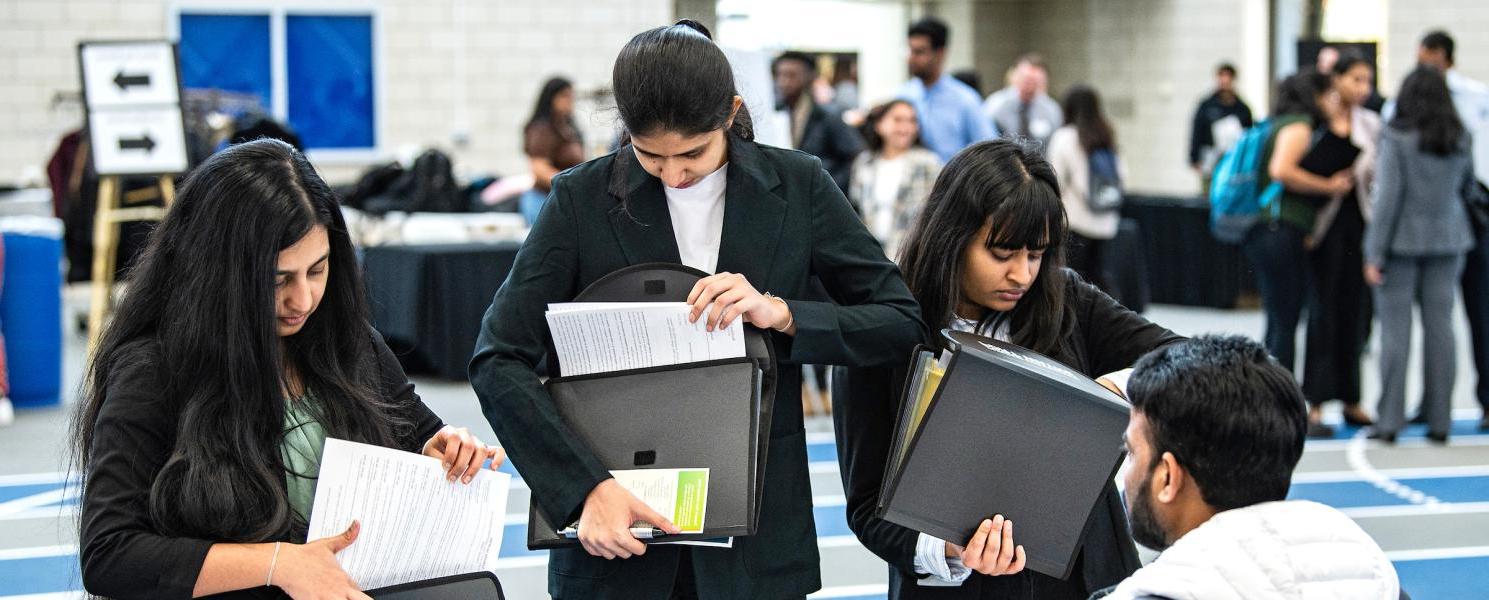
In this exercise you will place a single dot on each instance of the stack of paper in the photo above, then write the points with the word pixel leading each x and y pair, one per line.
pixel 416 524
pixel 599 337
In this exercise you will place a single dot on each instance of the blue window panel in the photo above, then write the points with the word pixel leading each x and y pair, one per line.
pixel 226 52
pixel 330 80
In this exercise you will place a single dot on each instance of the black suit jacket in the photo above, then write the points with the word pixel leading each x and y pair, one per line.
pixel 1103 337
pixel 827 137
pixel 784 222
pixel 122 551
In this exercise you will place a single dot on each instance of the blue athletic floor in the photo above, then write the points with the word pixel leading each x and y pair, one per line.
pixel 53 570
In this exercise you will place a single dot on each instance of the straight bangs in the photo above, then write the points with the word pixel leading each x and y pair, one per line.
pixel 1030 217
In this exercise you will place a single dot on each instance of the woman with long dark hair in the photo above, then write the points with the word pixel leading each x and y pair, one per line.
pixel 240 346
pixel 892 177
pixel 551 141
pixel 691 186
pixel 986 256
pixel 1416 246
pixel 1338 299
pixel 1277 245
pixel 1084 155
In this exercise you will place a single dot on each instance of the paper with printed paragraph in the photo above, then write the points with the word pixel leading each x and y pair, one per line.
pixel 600 337
pixel 680 495
pixel 416 524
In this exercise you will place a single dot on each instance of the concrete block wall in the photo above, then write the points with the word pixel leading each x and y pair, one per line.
pixel 1407 21
pixel 505 50
pixel 1152 61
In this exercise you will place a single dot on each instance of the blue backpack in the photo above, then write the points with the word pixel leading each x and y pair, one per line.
pixel 1105 190
pixel 1235 202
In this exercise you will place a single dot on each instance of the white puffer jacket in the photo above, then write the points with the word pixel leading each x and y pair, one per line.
pixel 1276 550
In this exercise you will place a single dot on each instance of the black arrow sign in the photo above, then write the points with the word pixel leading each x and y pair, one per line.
pixel 140 143
pixel 125 81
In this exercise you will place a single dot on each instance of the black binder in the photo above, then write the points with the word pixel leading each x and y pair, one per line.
pixel 480 585
pixel 714 414
pixel 1010 432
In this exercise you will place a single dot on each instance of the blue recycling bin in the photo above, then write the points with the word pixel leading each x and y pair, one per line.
pixel 31 309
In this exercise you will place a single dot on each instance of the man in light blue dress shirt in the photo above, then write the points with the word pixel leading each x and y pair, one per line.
pixel 950 111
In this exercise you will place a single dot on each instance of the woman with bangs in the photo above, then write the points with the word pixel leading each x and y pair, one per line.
pixel 986 256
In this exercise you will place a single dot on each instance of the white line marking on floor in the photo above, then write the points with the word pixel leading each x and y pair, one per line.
pixel 1360 463
pixel 850 591
pixel 25 503
pixel 37 552
pixel 1399 473
pixel 1415 510
pixel 1438 553
pixel 33 478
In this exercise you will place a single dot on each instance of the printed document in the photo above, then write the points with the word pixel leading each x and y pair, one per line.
pixel 600 337
pixel 416 524
pixel 681 495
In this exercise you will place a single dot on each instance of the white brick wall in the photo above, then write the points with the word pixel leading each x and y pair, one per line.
pixel 1152 61
pixel 510 47
pixel 1465 20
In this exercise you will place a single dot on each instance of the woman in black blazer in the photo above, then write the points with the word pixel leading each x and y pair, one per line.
pixel 241 345
pixel 985 256
pixel 691 187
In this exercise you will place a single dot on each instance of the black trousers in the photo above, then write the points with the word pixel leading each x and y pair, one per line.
pixel 1475 285
pixel 1276 252
pixel 1339 309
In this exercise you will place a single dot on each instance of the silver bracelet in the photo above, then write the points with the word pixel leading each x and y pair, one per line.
pixel 790 318
pixel 273 563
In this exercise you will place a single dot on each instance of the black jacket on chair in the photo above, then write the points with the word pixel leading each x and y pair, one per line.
pixel 784 222
pixel 1104 337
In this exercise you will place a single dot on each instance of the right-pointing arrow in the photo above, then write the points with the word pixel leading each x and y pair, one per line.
pixel 140 143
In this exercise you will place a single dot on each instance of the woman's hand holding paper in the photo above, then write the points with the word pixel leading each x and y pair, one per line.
pixel 462 453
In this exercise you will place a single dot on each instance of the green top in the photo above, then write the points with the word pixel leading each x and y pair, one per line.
pixel 1298 210
pixel 304 439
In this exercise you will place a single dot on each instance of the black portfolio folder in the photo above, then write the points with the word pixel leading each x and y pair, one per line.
pixel 713 414
pixel 1007 431
pixel 471 586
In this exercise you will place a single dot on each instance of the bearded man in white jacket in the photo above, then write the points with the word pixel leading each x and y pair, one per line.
pixel 1217 427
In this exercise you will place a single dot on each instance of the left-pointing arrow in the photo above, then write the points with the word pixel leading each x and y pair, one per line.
pixel 125 81
pixel 140 143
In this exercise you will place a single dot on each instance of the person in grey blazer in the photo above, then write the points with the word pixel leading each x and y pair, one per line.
pixel 1414 249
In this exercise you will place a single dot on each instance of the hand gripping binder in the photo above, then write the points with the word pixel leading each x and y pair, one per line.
pixel 1006 431
pixel 714 414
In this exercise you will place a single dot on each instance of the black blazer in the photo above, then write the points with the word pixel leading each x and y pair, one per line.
pixel 1105 337
pixel 784 222
pixel 827 137
pixel 122 551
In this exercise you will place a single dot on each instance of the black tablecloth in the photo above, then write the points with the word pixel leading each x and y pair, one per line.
pixel 1185 265
pixel 428 301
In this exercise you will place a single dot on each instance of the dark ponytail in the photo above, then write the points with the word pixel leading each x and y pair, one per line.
pixel 675 78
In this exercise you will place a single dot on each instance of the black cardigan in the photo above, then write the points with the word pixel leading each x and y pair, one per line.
pixel 1105 337
pixel 122 554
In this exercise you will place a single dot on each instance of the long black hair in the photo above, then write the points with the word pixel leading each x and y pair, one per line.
pixel 544 109
pixel 1426 106
pixel 1008 183
pixel 1298 95
pixel 199 321
pixel 1082 108
pixel 675 78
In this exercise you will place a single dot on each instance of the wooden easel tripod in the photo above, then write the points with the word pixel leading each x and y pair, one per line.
pixel 113 209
